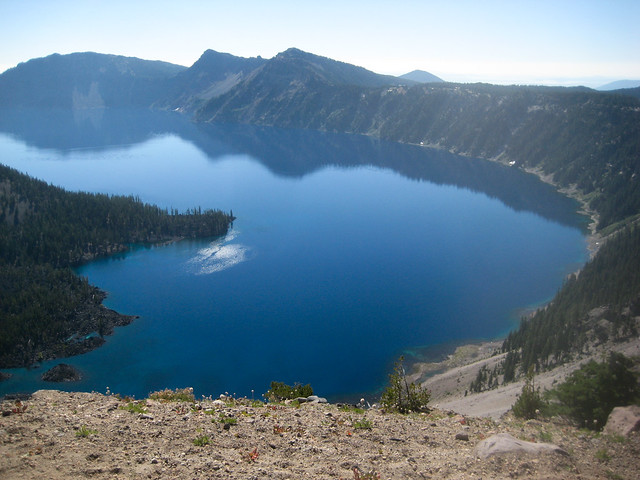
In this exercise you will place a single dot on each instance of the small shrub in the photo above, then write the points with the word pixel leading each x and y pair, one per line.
pixel 529 402
pixel 84 432
pixel 227 420
pixel 363 423
pixel 350 409
pixel 617 438
pixel 545 437
pixel 590 393
pixel 134 407
pixel 403 396
pixel 201 440
pixel 603 455
pixel 280 391
pixel 177 395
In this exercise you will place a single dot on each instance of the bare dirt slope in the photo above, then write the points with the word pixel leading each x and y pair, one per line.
pixel 450 388
pixel 56 435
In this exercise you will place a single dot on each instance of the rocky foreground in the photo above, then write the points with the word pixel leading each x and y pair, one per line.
pixel 58 435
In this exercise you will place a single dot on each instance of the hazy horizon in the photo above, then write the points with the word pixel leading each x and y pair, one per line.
pixel 567 43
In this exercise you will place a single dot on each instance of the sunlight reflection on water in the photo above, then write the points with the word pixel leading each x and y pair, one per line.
pixel 219 255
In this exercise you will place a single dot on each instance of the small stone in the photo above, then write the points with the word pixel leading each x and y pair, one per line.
pixel 460 419
pixel 462 436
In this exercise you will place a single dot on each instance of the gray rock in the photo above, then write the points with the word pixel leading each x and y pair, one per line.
pixel 464 436
pixel 317 399
pixel 311 399
pixel 623 421
pixel 505 443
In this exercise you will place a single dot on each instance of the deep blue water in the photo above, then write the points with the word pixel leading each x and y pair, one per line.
pixel 346 252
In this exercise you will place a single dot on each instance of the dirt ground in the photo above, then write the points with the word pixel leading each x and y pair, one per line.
pixel 57 435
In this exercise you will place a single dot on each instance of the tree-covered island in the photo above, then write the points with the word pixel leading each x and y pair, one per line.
pixel 46 310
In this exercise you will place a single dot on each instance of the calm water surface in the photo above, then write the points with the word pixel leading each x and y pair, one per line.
pixel 346 252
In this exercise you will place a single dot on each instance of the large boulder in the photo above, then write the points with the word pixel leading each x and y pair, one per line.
pixel 61 373
pixel 502 443
pixel 623 421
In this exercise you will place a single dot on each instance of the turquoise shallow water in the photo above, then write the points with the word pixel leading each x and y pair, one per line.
pixel 346 252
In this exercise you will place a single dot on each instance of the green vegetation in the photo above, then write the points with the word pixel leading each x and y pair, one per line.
pixel 530 401
pixel 545 437
pixel 280 391
pixel 134 407
pixel 485 379
pixel 585 139
pixel 603 455
pixel 402 396
pixel 363 424
pixel 177 395
pixel 589 394
pixel 201 440
pixel 47 311
pixel 84 432
pixel 350 409
pixel 554 333
pixel 227 420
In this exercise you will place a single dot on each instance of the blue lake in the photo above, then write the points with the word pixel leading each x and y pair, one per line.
pixel 346 253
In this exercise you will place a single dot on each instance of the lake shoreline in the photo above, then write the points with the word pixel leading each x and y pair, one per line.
pixel 350 206
pixel 96 320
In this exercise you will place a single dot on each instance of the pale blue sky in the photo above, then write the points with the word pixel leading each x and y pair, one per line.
pixel 559 42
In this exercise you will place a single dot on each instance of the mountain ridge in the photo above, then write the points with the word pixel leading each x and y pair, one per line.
pixel 84 80
pixel 213 74
pixel 583 141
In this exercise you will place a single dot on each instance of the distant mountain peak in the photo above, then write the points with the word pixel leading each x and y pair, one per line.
pixel 421 76
pixel 297 54
pixel 293 51
pixel 619 84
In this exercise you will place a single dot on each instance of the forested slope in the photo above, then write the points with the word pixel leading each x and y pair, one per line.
pixel 584 139
pixel 598 305
pixel 45 309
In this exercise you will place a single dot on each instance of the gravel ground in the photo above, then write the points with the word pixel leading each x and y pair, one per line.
pixel 56 435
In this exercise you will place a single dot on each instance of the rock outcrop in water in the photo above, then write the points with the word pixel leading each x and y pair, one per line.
pixel 62 373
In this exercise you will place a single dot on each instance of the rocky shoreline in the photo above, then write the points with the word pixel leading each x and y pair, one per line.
pixel 93 321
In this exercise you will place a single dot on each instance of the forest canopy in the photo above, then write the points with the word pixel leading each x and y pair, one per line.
pixel 46 310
